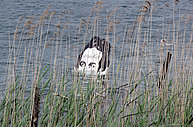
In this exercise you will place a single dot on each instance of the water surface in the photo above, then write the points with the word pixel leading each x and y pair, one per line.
pixel 127 12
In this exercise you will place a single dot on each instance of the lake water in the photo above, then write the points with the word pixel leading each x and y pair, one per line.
pixel 74 11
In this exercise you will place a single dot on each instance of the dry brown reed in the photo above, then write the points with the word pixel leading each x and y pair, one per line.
pixel 127 96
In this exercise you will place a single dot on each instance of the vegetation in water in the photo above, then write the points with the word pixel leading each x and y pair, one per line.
pixel 134 93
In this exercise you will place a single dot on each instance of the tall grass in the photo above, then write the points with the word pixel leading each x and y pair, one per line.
pixel 49 93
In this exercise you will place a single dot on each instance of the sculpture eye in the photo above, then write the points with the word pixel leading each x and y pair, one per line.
pixel 82 64
pixel 92 65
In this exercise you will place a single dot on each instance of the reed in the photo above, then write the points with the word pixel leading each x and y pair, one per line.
pixel 48 93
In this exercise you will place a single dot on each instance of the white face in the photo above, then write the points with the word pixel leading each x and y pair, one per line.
pixel 90 60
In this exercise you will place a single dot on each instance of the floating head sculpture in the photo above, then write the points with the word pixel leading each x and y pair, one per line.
pixel 95 56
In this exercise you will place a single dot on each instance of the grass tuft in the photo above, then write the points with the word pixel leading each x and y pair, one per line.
pixel 149 83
